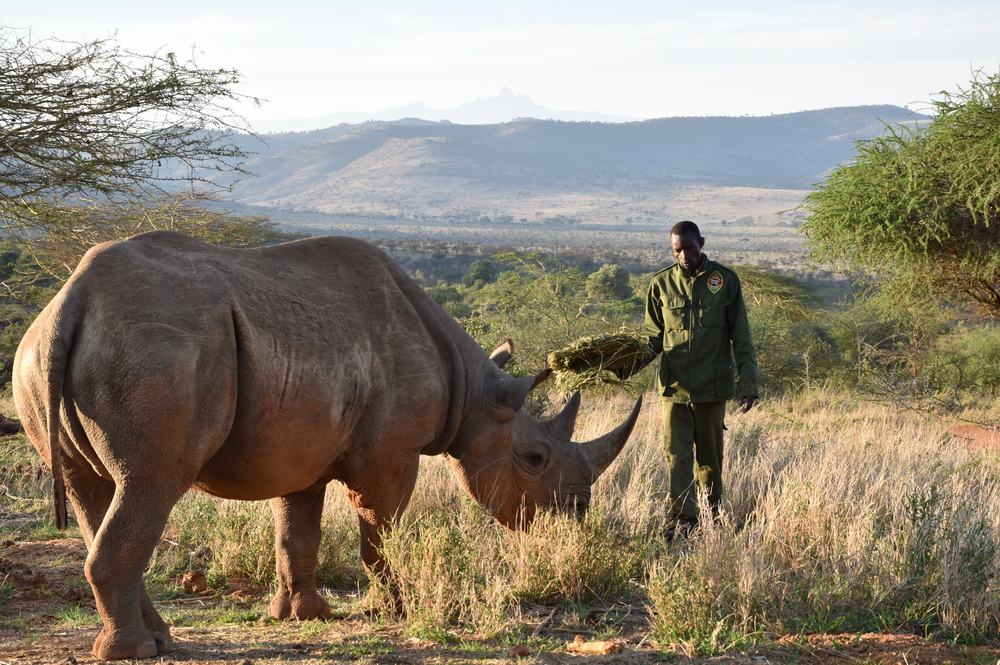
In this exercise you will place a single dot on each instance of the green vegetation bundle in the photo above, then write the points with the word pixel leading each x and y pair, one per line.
pixel 588 361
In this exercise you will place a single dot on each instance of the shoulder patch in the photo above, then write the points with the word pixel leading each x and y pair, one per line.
pixel 715 282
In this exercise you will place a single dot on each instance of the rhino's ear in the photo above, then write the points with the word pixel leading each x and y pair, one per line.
pixel 502 353
pixel 511 393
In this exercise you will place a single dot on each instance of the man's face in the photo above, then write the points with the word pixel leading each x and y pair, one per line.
pixel 687 250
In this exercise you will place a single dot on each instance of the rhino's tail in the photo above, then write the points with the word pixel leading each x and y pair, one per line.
pixel 61 337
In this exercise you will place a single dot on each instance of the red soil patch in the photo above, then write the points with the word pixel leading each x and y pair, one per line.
pixel 976 437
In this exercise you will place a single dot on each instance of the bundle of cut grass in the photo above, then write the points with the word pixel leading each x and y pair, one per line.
pixel 589 361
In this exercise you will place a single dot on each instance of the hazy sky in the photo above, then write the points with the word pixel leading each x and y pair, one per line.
pixel 638 58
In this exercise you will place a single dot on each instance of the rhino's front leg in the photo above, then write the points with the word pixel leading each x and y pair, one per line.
pixel 297 535
pixel 379 504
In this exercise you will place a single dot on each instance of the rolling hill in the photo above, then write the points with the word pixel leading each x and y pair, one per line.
pixel 372 161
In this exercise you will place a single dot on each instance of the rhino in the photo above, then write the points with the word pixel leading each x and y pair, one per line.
pixel 165 363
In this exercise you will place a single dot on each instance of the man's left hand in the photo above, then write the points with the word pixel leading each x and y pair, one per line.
pixel 746 402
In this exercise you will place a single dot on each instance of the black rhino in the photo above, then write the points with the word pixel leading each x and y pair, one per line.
pixel 166 363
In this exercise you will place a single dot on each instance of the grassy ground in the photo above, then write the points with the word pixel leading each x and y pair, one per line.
pixel 852 532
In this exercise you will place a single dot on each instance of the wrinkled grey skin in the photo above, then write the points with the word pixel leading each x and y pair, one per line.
pixel 165 363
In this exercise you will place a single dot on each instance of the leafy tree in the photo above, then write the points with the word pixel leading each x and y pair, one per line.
pixel 96 142
pixel 610 281
pixel 92 118
pixel 920 206
pixel 480 270
pixel 543 306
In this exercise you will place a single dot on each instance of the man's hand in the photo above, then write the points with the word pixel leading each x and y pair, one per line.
pixel 746 402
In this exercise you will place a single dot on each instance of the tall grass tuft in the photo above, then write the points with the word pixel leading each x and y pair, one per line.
pixel 560 559
pixel 446 573
pixel 858 519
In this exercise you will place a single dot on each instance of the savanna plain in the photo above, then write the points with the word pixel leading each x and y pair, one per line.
pixel 856 528
pixel 852 532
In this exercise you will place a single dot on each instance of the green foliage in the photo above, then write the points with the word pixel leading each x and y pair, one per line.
pixel 968 360
pixel 7 591
pixel 544 305
pixel 480 271
pixel 920 206
pixel 793 349
pixel 610 282
pixel 450 299
pixel 948 563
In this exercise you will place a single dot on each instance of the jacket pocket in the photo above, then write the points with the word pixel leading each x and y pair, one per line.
pixel 673 312
pixel 712 316
pixel 725 382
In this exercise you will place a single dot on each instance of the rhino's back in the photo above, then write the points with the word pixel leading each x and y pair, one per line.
pixel 289 352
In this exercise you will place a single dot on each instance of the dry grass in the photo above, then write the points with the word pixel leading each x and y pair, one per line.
pixel 589 361
pixel 839 515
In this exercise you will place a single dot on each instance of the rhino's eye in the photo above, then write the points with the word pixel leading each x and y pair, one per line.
pixel 534 460
pixel 531 457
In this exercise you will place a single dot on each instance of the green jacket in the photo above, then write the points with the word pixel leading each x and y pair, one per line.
pixel 698 321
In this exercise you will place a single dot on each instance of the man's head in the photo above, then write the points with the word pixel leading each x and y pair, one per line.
pixel 686 240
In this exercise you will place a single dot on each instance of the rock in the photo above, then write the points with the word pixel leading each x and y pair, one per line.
pixel 193 581
pixel 73 594
pixel 520 651
pixel 10 425
pixel 578 645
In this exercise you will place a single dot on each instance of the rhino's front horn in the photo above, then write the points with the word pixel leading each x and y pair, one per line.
pixel 601 452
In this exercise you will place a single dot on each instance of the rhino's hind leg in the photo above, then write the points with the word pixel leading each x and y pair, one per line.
pixel 297 535
pixel 91 496
pixel 115 564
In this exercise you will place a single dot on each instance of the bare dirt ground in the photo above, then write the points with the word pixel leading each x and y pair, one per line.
pixel 47 617
pixel 975 436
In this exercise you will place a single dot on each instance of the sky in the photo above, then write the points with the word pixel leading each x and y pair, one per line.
pixel 636 58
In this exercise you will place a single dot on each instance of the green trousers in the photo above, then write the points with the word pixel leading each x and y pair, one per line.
pixel 693 437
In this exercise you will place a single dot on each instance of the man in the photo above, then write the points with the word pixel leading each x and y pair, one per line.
pixel 696 317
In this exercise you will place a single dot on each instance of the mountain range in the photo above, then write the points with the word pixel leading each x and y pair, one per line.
pixel 438 166
pixel 505 107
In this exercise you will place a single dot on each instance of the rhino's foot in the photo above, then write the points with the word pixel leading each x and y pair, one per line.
pixel 118 645
pixel 157 627
pixel 384 604
pixel 301 606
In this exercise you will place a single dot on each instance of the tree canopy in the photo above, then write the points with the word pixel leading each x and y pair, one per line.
pixel 95 119
pixel 919 207
pixel 98 143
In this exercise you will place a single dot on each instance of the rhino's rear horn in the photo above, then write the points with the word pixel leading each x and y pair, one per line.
pixel 562 425
pixel 601 452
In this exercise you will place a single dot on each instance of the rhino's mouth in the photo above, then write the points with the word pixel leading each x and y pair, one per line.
pixel 569 503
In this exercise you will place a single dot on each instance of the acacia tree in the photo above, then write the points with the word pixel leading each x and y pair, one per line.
pixel 98 143
pixel 95 119
pixel 919 207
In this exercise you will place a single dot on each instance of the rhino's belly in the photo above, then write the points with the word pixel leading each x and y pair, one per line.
pixel 255 468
